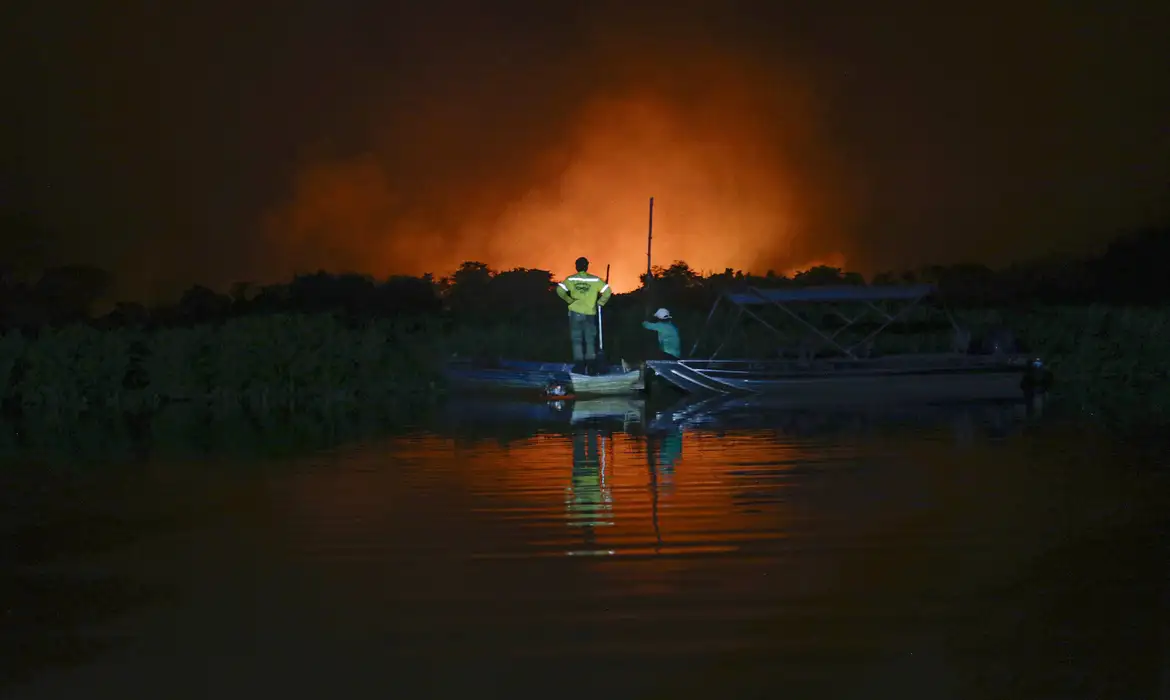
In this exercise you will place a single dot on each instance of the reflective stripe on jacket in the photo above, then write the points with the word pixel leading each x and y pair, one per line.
pixel 584 292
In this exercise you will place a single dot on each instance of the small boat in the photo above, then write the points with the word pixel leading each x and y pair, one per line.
pixel 555 379
pixel 833 372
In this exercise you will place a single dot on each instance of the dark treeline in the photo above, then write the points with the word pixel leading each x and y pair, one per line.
pixel 349 339
pixel 1127 274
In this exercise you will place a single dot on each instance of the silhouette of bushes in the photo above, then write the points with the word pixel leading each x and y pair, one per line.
pixel 1099 355
pixel 1100 323
pixel 1106 358
pixel 283 360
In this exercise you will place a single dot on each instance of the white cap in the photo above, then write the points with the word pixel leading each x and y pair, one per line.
pixel 662 313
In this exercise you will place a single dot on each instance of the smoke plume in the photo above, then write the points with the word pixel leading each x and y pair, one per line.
pixel 515 176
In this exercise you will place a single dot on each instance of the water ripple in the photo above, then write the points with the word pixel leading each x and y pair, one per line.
pixel 683 560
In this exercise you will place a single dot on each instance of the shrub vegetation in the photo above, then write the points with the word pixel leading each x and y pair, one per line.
pixel 349 339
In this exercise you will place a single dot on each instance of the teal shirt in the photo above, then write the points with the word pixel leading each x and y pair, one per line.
pixel 668 339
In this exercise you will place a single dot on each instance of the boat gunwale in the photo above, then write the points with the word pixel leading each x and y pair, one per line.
pixel 894 365
pixel 861 373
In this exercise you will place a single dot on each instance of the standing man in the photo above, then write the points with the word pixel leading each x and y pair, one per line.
pixel 584 292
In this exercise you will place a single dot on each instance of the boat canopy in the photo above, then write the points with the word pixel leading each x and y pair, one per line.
pixel 833 293
pixel 869 296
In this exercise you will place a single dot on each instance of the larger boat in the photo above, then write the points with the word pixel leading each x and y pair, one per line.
pixel 818 365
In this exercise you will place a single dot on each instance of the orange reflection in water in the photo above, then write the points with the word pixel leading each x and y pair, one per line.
pixel 736 515
pixel 592 492
pixel 621 494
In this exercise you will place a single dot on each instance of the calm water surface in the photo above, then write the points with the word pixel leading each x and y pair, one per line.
pixel 688 551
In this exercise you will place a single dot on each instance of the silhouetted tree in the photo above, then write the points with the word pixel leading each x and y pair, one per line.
pixel 825 275
pixel 126 315
pixel 412 295
pixel 271 298
pixel 68 293
pixel 352 293
pixel 1130 271
pixel 202 305
pixel 524 294
pixel 963 284
pixel 468 292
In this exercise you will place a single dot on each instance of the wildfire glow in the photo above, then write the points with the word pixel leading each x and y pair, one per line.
pixel 716 162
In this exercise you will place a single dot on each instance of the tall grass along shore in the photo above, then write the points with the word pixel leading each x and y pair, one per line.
pixel 1101 356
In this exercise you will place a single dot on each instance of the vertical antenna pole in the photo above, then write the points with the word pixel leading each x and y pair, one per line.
pixel 649 243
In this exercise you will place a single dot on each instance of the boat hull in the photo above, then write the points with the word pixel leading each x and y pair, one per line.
pixel 926 379
pixel 511 375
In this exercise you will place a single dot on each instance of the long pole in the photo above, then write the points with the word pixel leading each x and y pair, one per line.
pixel 600 330
pixel 649 269
pixel 651 462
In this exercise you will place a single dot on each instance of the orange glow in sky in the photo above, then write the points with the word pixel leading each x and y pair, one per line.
pixel 726 194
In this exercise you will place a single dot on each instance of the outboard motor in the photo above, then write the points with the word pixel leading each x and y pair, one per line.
pixel 556 390
pixel 999 341
pixel 558 394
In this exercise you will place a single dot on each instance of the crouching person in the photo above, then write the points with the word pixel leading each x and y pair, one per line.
pixel 669 343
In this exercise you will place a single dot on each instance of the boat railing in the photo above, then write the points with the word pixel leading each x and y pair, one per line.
pixel 893 357
pixel 888 362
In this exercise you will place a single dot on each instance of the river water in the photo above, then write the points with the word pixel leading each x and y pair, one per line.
pixel 599 549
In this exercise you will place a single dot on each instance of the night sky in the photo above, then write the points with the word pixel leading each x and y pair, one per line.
pixel 216 141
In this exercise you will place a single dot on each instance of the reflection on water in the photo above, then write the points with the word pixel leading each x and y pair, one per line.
pixel 590 500
pixel 947 552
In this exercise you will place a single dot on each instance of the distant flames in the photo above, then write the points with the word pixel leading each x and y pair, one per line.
pixel 716 161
